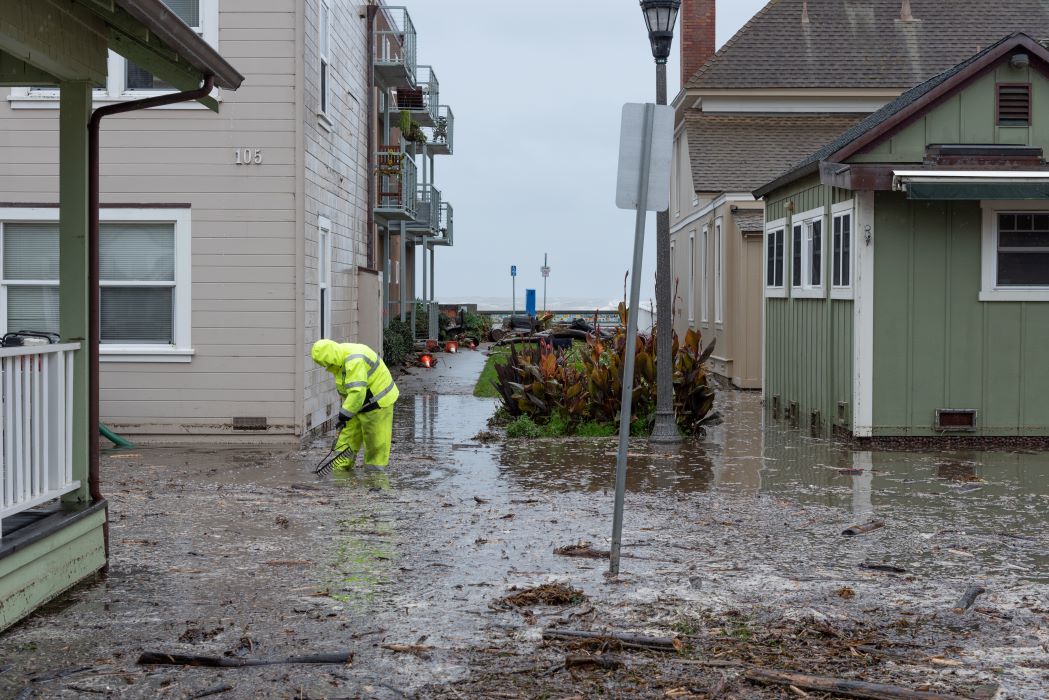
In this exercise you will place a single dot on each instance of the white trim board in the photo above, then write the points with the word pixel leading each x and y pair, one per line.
pixel 708 209
pixel 863 317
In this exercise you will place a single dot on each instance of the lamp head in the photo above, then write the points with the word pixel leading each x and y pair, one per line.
pixel 660 16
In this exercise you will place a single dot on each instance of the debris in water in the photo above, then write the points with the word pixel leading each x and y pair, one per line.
pixel 845 592
pixel 855 689
pixel 603 661
pixel 625 639
pixel 547 594
pixel 968 598
pixel 863 529
pixel 282 521
pixel 417 649
pixel 582 549
pixel 883 567
pixel 486 437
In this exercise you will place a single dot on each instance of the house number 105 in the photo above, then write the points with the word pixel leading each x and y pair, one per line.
pixel 247 156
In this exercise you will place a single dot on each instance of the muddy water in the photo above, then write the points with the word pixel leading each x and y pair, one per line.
pixel 245 553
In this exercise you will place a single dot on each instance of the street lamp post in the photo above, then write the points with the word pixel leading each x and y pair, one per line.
pixel 660 16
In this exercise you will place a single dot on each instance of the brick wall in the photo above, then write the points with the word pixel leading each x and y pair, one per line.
pixel 697 35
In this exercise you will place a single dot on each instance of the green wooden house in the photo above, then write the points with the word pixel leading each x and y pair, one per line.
pixel 906 266
pixel 53 516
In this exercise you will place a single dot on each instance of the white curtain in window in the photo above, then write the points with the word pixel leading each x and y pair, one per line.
pixel 31 251
pixel 136 252
pixel 138 315
pixel 32 308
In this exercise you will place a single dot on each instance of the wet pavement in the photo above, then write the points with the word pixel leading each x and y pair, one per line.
pixel 732 542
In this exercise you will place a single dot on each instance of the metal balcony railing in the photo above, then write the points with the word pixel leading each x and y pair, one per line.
pixel 394 59
pixel 422 99
pixel 427 211
pixel 443 131
pixel 396 179
pixel 444 225
pixel 36 432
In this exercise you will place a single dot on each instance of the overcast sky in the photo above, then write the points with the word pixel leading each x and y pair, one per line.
pixel 537 88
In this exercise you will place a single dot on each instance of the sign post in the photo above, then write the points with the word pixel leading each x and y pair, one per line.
pixel 645 147
pixel 513 287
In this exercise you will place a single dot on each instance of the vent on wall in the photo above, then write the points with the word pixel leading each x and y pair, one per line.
pixel 1014 104
pixel 249 423
pixel 956 419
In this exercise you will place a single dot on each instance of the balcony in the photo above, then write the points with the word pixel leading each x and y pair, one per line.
pixel 394 39
pixel 427 212
pixel 36 460
pixel 442 132
pixel 396 180
pixel 445 226
pixel 422 99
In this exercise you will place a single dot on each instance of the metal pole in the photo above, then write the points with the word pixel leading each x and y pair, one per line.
pixel 545 265
pixel 513 298
pixel 426 301
pixel 433 274
pixel 626 403
pixel 664 429
pixel 402 287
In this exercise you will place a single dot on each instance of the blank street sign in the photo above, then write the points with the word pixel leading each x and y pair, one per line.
pixel 631 142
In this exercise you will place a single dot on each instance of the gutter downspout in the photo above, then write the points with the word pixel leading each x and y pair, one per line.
pixel 370 204
pixel 93 302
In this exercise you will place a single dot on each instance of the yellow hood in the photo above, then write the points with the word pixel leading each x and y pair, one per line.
pixel 329 354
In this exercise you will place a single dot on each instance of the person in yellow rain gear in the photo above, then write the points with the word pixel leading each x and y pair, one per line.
pixel 368 394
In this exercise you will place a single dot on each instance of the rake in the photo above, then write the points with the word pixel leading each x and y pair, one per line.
pixel 324 466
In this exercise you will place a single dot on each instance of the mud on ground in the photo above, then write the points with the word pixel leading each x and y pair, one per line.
pixel 733 550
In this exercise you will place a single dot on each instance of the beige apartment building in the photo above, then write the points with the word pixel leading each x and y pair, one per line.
pixel 231 241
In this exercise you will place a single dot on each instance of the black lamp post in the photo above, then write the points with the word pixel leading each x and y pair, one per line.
pixel 661 15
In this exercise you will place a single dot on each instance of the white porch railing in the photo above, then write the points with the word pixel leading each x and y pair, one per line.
pixel 36 460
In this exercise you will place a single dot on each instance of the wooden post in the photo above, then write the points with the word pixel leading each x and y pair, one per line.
pixel 74 115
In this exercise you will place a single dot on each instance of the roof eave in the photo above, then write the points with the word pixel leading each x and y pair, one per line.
pixel 155 16
pixel 785 179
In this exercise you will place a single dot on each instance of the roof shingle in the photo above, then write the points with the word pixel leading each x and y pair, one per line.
pixel 863 43
pixel 739 152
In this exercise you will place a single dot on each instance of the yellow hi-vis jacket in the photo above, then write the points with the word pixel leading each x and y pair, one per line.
pixel 361 377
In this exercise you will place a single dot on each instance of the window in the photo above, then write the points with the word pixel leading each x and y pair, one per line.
pixel 1015 251
pixel 774 263
pixel 692 277
pixel 126 79
pixel 144 276
pixel 705 277
pixel 719 274
pixel 1014 104
pixel 806 251
pixel 324 276
pixel 841 274
pixel 324 46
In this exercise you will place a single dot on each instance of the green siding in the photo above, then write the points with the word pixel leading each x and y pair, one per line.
pixel 935 344
pixel 808 342
pixel 32 576
pixel 969 117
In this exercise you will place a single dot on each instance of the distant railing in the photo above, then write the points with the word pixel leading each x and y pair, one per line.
pixel 442 137
pixel 36 389
pixel 428 209
pixel 445 226
pixel 396 177
pixel 422 100
pixel 395 40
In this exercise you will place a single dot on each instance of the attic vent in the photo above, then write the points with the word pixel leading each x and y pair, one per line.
pixel 956 419
pixel 1014 104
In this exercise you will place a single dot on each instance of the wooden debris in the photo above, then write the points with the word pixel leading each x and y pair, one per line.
pixel 153 658
pixel 838 686
pixel 547 594
pixel 582 549
pixel 883 567
pixel 625 639
pixel 408 648
pixel 968 598
pixel 288 562
pixel 214 690
pixel 603 661
pixel 863 528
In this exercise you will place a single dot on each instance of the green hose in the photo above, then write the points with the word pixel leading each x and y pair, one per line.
pixel 108 434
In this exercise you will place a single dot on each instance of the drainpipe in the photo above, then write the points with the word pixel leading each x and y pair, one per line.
pixel 94 329
pixel 371 168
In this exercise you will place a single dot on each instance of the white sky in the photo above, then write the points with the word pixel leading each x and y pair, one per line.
pixel 537 88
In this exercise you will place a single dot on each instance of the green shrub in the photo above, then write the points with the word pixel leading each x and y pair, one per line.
pixel 523 427
pixel 595 429
pixel 398 342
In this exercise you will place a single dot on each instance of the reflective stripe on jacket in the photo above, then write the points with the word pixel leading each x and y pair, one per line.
pixel 359 372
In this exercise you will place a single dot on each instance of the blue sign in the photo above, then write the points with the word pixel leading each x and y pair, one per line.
pixel 530 302
pixel 513 270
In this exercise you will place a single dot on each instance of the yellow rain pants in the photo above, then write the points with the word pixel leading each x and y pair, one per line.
pixel 374 430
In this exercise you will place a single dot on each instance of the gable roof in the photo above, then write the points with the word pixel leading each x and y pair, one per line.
pixel 862 43
pixel 906 106
pixel 738 152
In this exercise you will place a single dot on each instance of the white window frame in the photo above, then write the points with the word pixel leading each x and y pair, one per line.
pixel 182 349
pixel 989 289
pixel 719 272
pixel 807 290
pixel 324 91
pixel 324 250
pixel 116 87
pixel 692 277
pixel 704 278
pixel 838 211
pixel 774 291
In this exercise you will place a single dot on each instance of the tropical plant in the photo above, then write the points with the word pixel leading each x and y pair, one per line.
pixel 585 387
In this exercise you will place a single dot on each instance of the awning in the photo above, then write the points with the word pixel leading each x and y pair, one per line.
pixel 972 184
